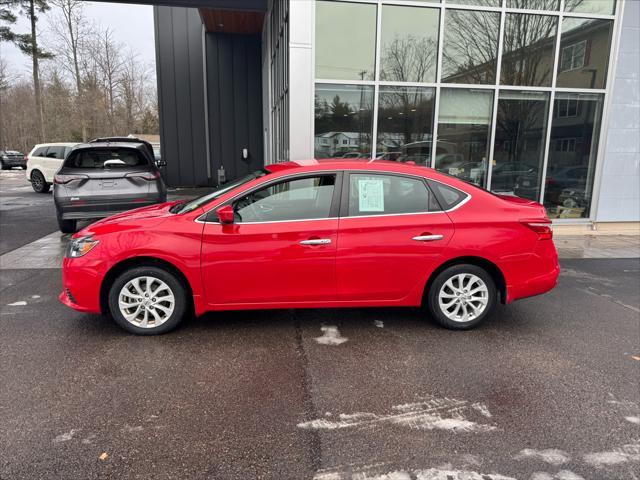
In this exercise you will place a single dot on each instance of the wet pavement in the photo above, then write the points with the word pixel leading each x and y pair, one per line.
pixel 546 389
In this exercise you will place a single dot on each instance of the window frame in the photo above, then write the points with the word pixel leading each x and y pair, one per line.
pixel 346 191
pixel 210 215
pixel 572 47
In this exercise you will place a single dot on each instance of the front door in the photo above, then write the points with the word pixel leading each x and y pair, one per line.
pixel 392 233
pixel 281 248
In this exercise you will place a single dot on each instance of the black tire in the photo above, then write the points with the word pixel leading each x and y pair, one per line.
pixel 437 311
pixel 38 182
pixel 3 166
pixel 24 167
pixel 67 226
pixel 178 289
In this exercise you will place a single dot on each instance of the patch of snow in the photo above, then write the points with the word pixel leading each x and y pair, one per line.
pixel 439 474
pixel 482 408
pixel 541 476
pixel 378 323
pixel 330 336
pixel 431 414
pixel 567 475
pixel 21 303
pixel 65 437
pixel 633 419
pixel 35 296
pixel 551 456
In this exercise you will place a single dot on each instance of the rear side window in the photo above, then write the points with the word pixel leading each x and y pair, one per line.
pixel 449 197
pixel 40 152
pixel 96 158
pixel 55 152
pixel 374 194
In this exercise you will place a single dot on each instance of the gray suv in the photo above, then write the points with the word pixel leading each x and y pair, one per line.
pixel 105 177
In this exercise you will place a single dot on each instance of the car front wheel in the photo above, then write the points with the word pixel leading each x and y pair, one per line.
pixel 461 297
pixel 38 182
pixel 148 300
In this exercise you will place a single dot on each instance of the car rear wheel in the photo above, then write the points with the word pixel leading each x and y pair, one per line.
pixel 67 226
pixel 3 166
pixel 461 297
pixel 148 300
pixel 38 182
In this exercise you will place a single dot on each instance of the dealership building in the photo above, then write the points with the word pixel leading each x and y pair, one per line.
pixel 537 98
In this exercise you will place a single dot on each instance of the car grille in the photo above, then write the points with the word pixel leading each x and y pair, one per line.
pixel 70 295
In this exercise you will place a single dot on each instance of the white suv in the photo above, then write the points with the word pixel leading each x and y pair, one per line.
pixel 44 161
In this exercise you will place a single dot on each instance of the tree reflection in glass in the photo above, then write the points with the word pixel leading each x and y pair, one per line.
pixel 409 44
pixel 528 52
pixel 551 5
pixel 405 124
pixel 343 121
pixel 470 46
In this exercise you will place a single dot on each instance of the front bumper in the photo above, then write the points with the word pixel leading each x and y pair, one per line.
pixel 81 281
pixel 14 162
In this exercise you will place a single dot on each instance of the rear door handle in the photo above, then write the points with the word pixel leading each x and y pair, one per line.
pixel 316 241
pixel 427 238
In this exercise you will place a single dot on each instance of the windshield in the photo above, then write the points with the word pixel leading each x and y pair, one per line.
pixel 218 192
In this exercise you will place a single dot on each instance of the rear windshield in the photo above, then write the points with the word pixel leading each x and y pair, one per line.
pixel 122 158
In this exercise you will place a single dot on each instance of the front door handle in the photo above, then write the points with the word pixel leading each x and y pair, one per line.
pixel 316 241
pixel 427 238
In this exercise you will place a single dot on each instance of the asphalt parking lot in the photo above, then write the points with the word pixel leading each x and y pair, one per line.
pixel 547 389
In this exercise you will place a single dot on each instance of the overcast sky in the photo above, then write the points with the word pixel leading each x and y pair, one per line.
pixel 131 24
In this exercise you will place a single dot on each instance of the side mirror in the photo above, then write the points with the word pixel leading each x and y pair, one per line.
pixel 225 214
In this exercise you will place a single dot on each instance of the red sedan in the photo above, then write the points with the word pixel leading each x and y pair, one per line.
pixel 315 234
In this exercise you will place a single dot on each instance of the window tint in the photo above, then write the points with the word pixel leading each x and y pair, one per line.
pixel 371 194
pixel 55 152
pixel 40 152
pixel 96 158
pixel 449 196
pixel 298 199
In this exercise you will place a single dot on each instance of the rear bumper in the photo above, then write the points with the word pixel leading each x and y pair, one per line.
pixel 536 286
pixel 82 209
pixel 15 162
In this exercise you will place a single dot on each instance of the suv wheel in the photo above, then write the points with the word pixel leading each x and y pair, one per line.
pixel 67 226
pixel 3 166
pixel 148 300
pixel 461 297
pixel 38 182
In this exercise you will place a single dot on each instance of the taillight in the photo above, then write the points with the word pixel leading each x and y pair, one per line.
pixel 542 227
pixel 63 179
pixel 149 176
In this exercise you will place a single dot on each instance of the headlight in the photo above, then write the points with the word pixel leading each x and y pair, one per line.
pixel 81 246
pixel 4 157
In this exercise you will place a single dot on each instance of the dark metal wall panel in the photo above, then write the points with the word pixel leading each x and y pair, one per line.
pixel 234 91
pixel 181 95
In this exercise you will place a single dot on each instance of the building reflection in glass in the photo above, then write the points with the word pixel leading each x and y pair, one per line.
pixel 405 124
pixel 464 126
pixel 575 129
pixel 519 143
pixel 470 47
pixel 343 126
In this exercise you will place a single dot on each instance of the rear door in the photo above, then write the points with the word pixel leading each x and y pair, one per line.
pixel 52 161
pixel 392 233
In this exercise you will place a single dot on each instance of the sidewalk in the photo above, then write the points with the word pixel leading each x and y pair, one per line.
pixel 597 246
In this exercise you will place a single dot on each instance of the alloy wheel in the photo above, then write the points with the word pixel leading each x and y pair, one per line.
pixel 146 302
pixel 463 297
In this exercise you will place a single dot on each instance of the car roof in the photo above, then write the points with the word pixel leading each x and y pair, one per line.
pixel 97 144
pixel 389 166
pixel 57 144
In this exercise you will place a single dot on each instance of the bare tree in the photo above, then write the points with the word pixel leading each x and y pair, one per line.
pixel 109 63
pixel 70 29
pixel 28 44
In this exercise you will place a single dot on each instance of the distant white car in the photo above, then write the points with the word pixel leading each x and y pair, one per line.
pixel 43 162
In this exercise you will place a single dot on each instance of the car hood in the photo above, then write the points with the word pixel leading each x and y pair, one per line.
pixel 147 216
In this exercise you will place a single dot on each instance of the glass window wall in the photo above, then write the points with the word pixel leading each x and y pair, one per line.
pixel 518 151
pixel 343 124
pixel 464 127
pixel 572 155
pixel 409 44
pixel 382 67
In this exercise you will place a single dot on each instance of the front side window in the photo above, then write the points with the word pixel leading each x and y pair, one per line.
pixel 372 194
pixel 298 199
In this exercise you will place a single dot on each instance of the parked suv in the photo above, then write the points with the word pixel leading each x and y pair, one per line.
pixel 12 158
pixel 102 178
pixel 43 162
